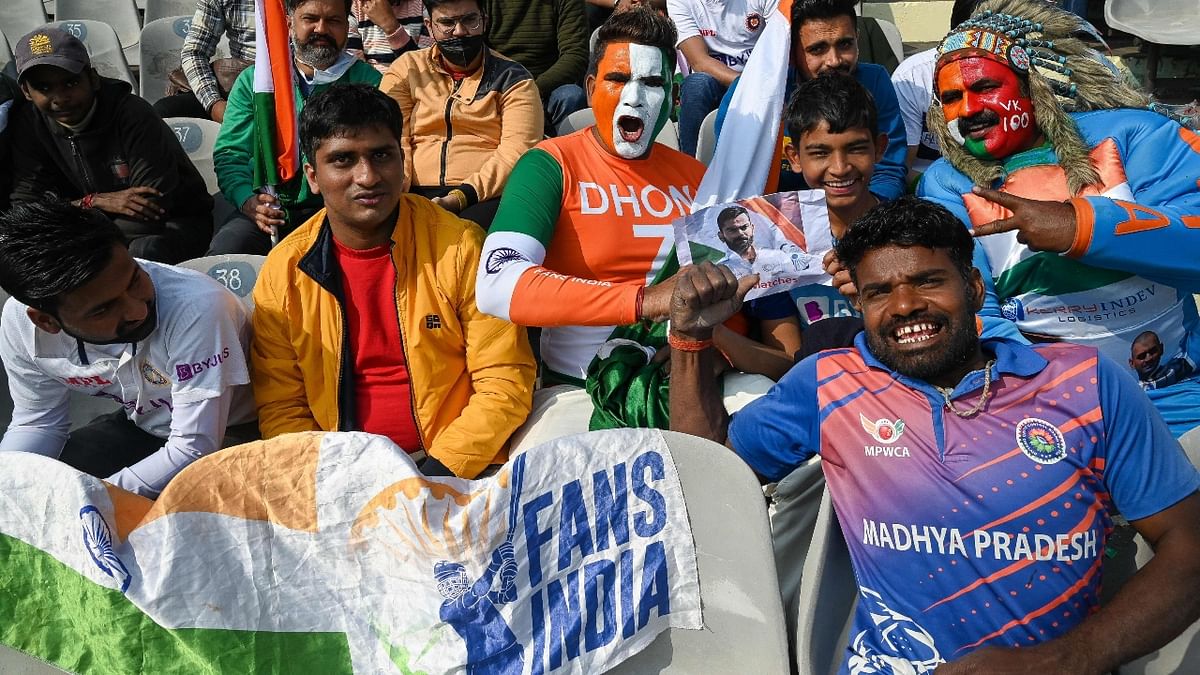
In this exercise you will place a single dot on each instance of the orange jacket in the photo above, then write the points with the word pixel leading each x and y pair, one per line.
pixel 472 374
pixel 468 135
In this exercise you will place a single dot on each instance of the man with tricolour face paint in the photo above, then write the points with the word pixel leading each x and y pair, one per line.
pixel 1088 220
pixel 584 225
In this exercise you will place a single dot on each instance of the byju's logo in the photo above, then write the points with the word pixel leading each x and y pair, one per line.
pixel 883 430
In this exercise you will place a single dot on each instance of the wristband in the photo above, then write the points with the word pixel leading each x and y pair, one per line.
pixel 460 196
pixel 637 303
pixel 87 200
pixel 684 345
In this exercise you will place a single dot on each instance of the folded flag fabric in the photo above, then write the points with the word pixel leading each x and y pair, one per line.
pixel 277 157
pixel 331 553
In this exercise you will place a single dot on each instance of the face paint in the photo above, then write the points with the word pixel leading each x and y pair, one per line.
pixel 985 109
pixel 630 97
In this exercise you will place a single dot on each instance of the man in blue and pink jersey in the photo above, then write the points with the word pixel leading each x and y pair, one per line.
pixel 973 478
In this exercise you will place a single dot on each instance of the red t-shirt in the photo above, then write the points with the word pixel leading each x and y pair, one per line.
pixel 381 384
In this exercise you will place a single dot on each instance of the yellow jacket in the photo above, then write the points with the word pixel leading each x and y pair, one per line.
pixel 470 134
pixel 472 374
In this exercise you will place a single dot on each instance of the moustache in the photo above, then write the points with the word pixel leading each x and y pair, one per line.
pixel 318 38
pixel 980 120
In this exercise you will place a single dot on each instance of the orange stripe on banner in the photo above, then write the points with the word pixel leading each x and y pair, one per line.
pixel 1018 565
pixel 285 95
pixel 767 210
pixel 1071 372
pixel 273 480
pixel 1075 588
pixel 1089 416
pixel 129 509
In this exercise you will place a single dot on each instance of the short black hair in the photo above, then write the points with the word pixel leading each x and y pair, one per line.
pixel 640 25
pixel 907 221
pixel 837 99
pixel 344 108
pixel 430 5
pixel 804 10
pixel 290 5
pixel 961 12
pixel 729 213
pixel 51 248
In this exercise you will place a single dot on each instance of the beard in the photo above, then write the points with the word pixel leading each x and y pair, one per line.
pixel 126 333
pixel 959 346
pixel 319 51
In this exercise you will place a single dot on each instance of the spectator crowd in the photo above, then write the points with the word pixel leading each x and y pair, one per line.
pixel 482 219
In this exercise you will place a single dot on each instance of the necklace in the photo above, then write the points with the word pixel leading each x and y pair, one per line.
pixel 983 396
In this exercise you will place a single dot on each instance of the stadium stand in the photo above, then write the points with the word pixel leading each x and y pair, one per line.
pixel 18 17
pixel 160 44
pixel 122 15
pixel 6 57
pixel 706 143
pixel 198 136
pixel 238 273
pixel 161 9
pixel 103 46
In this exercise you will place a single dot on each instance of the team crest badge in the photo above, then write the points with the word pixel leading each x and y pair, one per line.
pixel 1041 441
pixel 754 21
pixel 883 430
pixel 151 375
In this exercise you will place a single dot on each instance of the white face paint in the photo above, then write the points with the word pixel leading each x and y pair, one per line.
pixel 640 101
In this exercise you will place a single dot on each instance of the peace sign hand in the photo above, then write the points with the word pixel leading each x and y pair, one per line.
pixel 1040 225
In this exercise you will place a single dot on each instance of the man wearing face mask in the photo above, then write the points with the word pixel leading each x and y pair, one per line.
pixel 585 222
pixel 319 30
pixel 469 112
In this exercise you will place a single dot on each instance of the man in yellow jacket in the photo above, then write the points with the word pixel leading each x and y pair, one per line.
pixel 365 316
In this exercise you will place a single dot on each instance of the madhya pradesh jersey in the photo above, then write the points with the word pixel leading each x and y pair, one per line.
pixel 579 232
pixel 988 530
pixel 1132 269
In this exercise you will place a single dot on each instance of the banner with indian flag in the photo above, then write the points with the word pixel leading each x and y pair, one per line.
pixel 277 155
pixel 331 553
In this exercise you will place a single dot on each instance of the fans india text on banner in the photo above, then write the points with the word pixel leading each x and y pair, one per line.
pixel 331 553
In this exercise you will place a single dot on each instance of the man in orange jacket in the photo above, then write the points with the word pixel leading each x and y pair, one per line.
pixel 365 316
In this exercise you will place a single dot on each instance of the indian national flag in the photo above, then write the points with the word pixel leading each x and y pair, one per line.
pixel 747 158
pixel 277 157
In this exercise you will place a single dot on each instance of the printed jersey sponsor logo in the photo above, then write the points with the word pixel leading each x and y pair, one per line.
pixel 500 258
pixel 186 371
pixel 1013 310
pixel 1041 441
pixel 754 21
pixel 883 430
pixel 152 375
pixel 93 381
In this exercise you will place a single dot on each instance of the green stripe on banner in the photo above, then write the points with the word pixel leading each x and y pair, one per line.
pixel 266 172
pixel 56 614
pixel 1053 274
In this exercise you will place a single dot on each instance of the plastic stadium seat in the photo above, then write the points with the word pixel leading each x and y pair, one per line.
pixel 122 15
pixel 6 57
pixel 743 616
pixel 828 596
pixel 101 41
pixel 160 44
pixel 669 136
pixel 706 142
pixel 1158 22
pixel 161 9
pixel 18 17
pixel 198 136
pixel 892 33
pixel 238 272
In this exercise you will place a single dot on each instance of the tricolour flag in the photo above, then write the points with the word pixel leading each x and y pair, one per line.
pixel 747 155
pixel 277 157
pixel 332 553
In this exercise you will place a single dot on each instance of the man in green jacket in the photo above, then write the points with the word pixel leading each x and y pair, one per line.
pixel 319 30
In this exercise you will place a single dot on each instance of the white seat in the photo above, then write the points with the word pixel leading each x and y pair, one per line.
pixel 161 9
pixel 237 272
pixel 895 40
pixel 828 596
pixel 1163 22
pixel 706 142
pixel 122 15
pixel 102 44
pixel 160 44
pixel 743 616
pixel 18 17
pixel 198 136
pixel 581 119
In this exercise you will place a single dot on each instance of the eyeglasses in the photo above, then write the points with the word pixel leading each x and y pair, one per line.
pixel 469 22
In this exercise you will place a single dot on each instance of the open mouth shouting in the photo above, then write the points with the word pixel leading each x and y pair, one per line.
pixel 631 128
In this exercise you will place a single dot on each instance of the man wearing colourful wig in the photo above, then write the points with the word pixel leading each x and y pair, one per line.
pixel 1084 201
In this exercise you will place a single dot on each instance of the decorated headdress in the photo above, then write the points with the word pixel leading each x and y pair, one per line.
pixel 1039 42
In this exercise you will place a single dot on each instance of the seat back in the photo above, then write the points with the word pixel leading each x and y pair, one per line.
pixel 743 616
pixel 706 142
pixel 108 58
pixel 198 136
pixel 18 17
pixel 160 44
pixel 161 9
pixel 237 272
pixel 892 33
pixel 6 56
pixel 828 596
pixel 1164 22
pixel 122 15
pixel 581 119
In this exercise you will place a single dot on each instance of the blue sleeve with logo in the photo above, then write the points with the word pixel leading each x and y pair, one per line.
pixel 781 430
pixel 1145 469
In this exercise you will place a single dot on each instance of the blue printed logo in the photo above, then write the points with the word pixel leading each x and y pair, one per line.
pixel 1013 310
pixel 99 542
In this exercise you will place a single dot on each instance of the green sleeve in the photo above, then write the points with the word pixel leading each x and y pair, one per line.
pixel 532 198
pixel 233 152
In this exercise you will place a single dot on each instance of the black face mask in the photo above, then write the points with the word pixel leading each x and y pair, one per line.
pixel 461 51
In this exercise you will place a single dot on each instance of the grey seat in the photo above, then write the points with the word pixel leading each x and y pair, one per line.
pixel 108 58
pixel 743 616
pixel 161 9
pixel 198 136
pixel 6 57
pixel 122 15
pixel 160 44
pixel 236 272
pixel 669 136
pixel 18 17
pixel 828 596
pixel 706 143
pixel 1158 22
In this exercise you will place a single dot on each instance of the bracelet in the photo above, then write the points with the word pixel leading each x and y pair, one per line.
pixel 460 196
pixel 87 200
pixel 637 303
pixel 688 345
